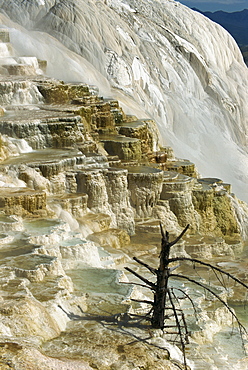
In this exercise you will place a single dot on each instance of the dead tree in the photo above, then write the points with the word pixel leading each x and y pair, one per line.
pixel 161 290
pixel 165 297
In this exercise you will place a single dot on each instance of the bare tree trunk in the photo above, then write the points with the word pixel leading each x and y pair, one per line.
pixel 163 273
pixel 161 291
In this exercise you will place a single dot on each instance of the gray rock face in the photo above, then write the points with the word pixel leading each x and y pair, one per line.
pixel 177 190
pixel 22 201
pixel 145 130
pixel 119 199
pixel 145 186
pixel 108 193
pixel 126 148
pixel 19 92
pixel 43 132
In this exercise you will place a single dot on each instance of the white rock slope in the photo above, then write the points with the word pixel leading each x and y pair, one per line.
pixel 184 70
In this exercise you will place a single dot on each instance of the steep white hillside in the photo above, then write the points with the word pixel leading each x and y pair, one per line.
pixel 181 68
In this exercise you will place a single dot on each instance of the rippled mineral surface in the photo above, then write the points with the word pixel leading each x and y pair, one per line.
pixel 85 185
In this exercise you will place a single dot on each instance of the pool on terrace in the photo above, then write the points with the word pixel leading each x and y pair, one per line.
pixel 43 155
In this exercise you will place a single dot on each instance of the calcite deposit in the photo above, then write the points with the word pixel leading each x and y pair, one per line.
pixel 84 187
pixel 22 201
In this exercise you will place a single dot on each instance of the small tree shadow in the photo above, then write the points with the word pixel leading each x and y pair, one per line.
pixel 121 323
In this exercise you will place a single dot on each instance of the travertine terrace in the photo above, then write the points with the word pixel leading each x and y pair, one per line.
pixel 83 188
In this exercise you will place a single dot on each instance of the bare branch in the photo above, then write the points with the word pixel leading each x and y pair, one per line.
pixel 215 295
pixel 141 277
pixel 142 301
pixel 208 265
pixel 142 285
pixel 180 236
pixel 188 297
pixel 151 269
pixel 221 280
pixel 179 328
pixel 162 232
pixel 173 268
pixel 182 314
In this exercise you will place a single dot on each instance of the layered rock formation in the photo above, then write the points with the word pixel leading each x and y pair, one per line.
pixel 89 178
pixel 166 58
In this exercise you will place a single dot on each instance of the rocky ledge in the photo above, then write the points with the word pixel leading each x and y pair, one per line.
pixel 84 187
